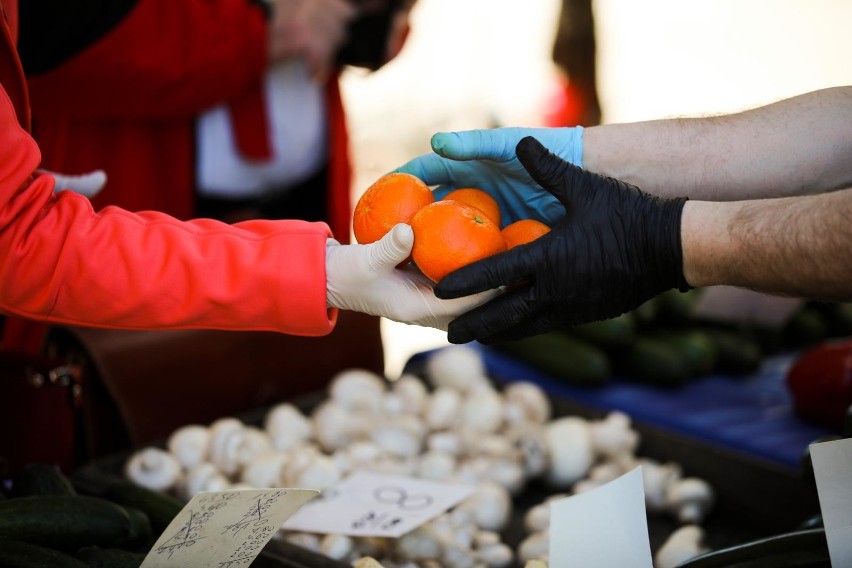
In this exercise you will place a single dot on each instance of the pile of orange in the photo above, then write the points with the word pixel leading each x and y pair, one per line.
pixel 460 229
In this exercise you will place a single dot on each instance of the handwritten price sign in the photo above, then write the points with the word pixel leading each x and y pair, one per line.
pixel 370 504
pixel 226 529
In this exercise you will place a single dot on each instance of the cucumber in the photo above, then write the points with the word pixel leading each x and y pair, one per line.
pixel 40 479
pixel 95 557
pixel 656 362
pixel 16 554
pixel 696 347
pixel 806 327
pixel 612 334
pixel 736 353
pixel 141 535
pixel 63 522
pixel 675 306
pixel 562 356
pixel 160 508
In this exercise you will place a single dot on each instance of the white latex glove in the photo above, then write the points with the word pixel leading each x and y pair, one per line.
pixel 89 184
pixel 364 278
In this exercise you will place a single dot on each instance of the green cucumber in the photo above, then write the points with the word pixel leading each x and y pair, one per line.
pixel 64 522
pixel 736 353
pixel 696 347
pixel 40 479
pixel 612 334
pixel 160 507
pixel 16 554
pixel 806 327
pixel 675 306
pixel 562 356
pixel 95 557
pixel 141 535
pixel 656 362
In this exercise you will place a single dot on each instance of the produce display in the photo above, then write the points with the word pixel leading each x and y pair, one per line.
pixel 453 426
pixel 662 344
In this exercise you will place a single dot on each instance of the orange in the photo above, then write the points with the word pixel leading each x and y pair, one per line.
pixel 450 234
pixel 479 199
pixel 393 198
pixel 523 232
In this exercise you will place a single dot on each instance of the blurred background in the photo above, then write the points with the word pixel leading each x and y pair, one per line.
pixel 485 63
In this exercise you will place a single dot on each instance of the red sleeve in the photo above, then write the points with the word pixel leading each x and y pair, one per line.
pixel 61 262
pixel 166 59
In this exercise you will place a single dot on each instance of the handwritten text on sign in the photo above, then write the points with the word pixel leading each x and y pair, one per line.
pixel 226 529
pixel 370 504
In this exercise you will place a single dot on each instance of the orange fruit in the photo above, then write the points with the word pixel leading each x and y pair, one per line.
pixel 523 232
pixel 450 234
pixel 393 198
pixel 479 199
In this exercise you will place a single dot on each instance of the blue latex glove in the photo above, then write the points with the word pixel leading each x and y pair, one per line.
pixel 485 159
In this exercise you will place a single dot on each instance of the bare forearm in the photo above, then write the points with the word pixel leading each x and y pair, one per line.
pixel 796 246
pixel 796 146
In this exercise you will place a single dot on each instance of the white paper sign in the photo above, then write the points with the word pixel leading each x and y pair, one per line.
pixel 372 504
pixel 605 527
pixel 832 463
pixel 225 529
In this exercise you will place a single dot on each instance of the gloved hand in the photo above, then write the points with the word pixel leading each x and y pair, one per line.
pixel 89 184
pixel 485 159
pixel 364 278
pixel 616 248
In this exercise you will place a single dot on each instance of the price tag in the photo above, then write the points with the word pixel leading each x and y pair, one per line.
pixel 605 527
pixel 371 504
pixel 833 469
pixel 225 529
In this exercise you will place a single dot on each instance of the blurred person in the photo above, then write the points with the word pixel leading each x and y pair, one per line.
pixel 131 87
pixel 759 199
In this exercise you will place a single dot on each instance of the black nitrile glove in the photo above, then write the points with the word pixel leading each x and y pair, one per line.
pixel 616 248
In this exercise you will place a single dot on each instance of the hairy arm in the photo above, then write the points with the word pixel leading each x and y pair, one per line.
pixel 797 146
pixel 797 246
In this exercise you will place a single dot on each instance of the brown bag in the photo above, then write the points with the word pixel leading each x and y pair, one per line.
pixel 139 386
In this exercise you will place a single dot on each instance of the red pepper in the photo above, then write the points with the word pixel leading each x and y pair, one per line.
pixel 820 381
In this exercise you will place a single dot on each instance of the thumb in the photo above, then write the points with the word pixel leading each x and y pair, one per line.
pixel 392 249
pixel 548 170
pixel 88 184
pixel 491 144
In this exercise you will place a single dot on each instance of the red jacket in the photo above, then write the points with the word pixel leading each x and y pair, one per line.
pixel 63 262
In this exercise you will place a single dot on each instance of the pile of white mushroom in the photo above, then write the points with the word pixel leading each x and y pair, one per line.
pixel 461 430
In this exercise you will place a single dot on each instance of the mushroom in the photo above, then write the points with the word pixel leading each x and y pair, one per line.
pixel 457 367
pixel 490 505
pixel 420 544
pixel 612 437
pixel 569 444
pixel 537 517
pixel 287 426
pixel 359 455
pixel 189 444
pixel 367 562
pixel 526 402
pixel 358 390
pixel 442 409
pixel 312 471
pixel 265 470
pixel 203 477
pixel 225 437
pixel 400 436
pixel 412 392
pixel 444 441
pixel 335 426
pixel 689 499
pixel 534 547
pixel 253 442
pixel 683 544
pixel 436 465
pixel 530 440
pixel 336 546
pixel 656 478
pixel 308 541
pixel 482 410
pixel 153 468
pixel 497 555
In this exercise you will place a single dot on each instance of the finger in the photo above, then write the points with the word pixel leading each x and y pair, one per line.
pixel 487 274
pixel 491 144
pixel 431 168
pixel 500 314
pixel 393 248
pixel 88 184
pixel 561 178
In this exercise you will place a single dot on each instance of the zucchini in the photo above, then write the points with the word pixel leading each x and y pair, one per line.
pixel 675 306
pixel 160 508
pixel 695 346
pixel 16 554
pixel 611 335
pixel 562 356
pixel 799 549
pixel 655 362
pixel 95 557
pixel 64 522
pixel 736 353
pixel 40 479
